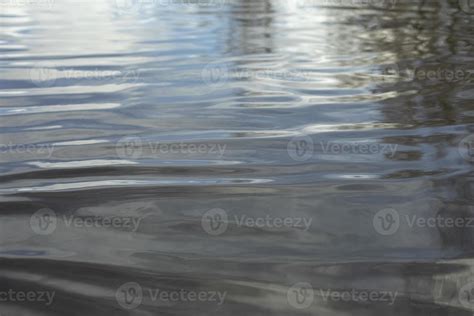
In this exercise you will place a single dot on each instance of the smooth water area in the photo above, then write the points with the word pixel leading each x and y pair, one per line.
pixel 236 157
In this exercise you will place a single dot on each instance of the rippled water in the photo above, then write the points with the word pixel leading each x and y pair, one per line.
pixel 285 157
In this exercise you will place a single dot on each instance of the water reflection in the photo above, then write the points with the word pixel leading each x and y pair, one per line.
pixel 327 112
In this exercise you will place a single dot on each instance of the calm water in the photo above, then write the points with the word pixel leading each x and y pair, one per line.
pixel 264 157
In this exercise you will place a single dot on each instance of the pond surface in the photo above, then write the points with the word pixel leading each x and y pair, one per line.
pixel 218 157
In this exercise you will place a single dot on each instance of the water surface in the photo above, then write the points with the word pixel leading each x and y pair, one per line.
pixel 281 157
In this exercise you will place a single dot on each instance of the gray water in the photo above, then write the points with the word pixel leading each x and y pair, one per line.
pixel 218 157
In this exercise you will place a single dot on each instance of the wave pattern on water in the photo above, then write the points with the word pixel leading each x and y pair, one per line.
pixel 259 157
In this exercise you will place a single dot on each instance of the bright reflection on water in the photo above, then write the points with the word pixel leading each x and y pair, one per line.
pixel 275 157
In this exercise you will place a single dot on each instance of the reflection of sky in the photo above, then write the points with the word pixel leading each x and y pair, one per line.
pixel 254 116
pixel 74 28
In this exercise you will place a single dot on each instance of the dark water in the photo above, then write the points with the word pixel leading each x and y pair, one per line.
pixel 168 157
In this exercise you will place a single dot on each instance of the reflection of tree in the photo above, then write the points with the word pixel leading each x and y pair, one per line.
pixel 251 27
pixel 431 109
pixel 422 35
pixel 430 41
